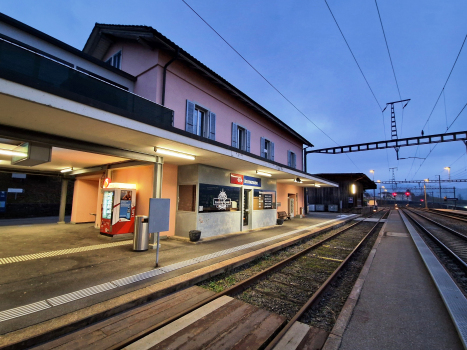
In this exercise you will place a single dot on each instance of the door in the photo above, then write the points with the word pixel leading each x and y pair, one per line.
pixel 291 207
pixel 246 207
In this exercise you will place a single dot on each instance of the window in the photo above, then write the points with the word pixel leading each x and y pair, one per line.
pixel 214 198
pixel 291 159
pixel 186 197
pixel 200 121
pixel 267 149
pixel 115 60
pixel 240 137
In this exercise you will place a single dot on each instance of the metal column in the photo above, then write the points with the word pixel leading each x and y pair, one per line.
pixel 61 213
pixel 157 193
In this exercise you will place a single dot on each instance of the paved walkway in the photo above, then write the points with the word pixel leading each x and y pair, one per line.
pixel 399 306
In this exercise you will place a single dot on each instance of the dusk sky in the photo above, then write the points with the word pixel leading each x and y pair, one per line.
pixel 297 46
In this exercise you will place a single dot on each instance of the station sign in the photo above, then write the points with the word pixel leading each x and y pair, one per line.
pixel 238 179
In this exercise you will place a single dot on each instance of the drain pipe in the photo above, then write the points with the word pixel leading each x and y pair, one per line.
pixel 165 74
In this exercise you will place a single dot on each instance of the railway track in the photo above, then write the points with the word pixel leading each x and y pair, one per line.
pixel 301 283
pixel 293 286
pixel 450 245
pixel 448 215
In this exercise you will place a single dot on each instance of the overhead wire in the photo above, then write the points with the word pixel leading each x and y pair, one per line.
pixel 436 103
pixel 438 143
pixel 361 71
pixel 445 82
pixel 264 78
pixel 390 59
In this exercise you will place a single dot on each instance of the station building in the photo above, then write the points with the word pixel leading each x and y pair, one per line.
pixel 134 108
pixel 349 196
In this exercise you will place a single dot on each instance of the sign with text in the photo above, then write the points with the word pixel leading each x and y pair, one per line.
pixel 236 179
pixel 252 181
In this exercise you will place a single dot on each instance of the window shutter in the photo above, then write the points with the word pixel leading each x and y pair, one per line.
pixel 248 136
pixel 234 135
pixel 289 160
pixel 294 160
pixel 212 126
pixel 271 156
pixel 262 146
pixel 190 110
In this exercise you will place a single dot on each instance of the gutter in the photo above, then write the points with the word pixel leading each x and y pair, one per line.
pixel 165 74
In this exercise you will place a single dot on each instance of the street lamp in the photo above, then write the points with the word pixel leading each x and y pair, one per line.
pixel 374 194
pixel 448 168
pixel 424 189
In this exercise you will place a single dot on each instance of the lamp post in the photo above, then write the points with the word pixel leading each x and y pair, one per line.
pixel 374 195
pixel 448 168
pixel 424 189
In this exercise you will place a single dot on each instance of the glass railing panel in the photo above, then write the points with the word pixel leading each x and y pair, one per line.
pixel 32 69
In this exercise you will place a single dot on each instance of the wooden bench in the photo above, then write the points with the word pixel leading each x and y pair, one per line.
pixel 283 215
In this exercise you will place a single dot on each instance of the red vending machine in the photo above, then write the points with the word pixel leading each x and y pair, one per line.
pixel 118 209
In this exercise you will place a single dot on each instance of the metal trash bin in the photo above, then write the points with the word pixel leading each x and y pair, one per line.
pixel 141 235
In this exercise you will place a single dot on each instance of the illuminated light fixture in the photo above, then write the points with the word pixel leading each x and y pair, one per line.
pixel 66 170
pixel 354 189
pixel 263 173
pixel 8 152
pixel 317 185
pixel 168 152
pixel 122 185
pixel 426 180
pixel 378 181
pixel 107 182
pixel 298 180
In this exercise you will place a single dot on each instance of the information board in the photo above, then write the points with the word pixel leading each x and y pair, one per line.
pixel 263 199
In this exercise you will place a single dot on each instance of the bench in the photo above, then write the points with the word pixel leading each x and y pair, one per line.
pixel 283 215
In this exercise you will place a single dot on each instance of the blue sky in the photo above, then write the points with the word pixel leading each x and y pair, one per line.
pixel 296 45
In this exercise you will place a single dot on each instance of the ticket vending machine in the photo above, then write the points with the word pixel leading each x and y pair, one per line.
pixel 118 209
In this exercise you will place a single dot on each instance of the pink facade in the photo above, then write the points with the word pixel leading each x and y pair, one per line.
pixel 84 200
pixel 184 84
pixel 284 191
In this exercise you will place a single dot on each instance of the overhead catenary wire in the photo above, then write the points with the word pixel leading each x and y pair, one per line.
pixel 389 52
pixel 444 86
pixel 264 78
pixel 438 143
pixel 361 71
pixel 439 96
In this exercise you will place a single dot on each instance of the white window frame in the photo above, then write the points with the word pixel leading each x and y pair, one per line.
pixel 241 131
pixel 112 60
pixel 201 123
pixel 293 159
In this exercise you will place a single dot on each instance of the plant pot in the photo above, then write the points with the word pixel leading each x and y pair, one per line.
pixel 194 235
pixel 280 221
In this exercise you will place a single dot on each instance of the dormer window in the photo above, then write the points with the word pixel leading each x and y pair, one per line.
pixel 115 60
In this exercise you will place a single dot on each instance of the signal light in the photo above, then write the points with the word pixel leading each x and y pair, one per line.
pixel 394 194
pixel 421 200
pixel 407 194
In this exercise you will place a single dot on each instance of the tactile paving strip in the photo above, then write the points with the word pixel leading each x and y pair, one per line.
pixel 27 257
pixel 66 298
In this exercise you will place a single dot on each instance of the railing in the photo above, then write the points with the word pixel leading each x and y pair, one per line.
pixel 32 69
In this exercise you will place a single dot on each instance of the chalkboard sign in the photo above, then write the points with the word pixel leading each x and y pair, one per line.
pixel 263 199
pixel 214 198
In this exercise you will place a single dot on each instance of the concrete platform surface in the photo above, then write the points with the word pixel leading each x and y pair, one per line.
pixel 399 306
pixel 51 260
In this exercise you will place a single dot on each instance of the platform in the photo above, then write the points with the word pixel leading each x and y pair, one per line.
pixel 399 306
pixel 84 280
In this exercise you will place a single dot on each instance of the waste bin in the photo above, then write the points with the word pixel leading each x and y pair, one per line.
pixel 141 236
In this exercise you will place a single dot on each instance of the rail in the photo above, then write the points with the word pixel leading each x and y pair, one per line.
pixel 242 286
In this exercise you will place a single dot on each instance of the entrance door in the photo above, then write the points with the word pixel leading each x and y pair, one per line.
pixel 291 206
pixel 246 207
